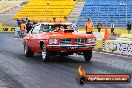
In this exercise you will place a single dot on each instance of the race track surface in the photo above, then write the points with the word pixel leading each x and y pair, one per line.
pixel 18 71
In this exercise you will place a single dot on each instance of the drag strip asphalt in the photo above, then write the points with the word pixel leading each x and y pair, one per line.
pixel 18 71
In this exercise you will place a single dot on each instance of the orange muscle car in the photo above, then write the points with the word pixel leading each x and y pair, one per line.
pixel 56 38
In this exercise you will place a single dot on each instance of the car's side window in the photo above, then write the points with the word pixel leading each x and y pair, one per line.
pixel 36 29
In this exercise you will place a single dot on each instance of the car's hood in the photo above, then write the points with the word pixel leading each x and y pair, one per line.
pixel 59 35
pixel 71 35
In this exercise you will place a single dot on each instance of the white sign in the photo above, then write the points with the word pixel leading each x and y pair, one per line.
pixel 121 47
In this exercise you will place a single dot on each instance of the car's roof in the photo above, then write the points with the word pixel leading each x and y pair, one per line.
pixel 55 23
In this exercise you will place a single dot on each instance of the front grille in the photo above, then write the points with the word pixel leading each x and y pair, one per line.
pixel 66 41
pixel 79 41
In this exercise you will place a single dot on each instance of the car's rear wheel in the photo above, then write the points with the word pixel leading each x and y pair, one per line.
pixel 27 51
pixel 45 53
pixel 87 55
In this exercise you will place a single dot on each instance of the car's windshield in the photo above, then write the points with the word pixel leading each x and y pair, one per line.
pixel 47 28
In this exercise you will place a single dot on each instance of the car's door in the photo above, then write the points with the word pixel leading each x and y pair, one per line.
pixel 35 36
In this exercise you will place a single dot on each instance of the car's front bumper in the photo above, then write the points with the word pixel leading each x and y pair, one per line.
pixel 69 47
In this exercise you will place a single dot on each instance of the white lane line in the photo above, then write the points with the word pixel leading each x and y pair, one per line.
pixel 112 54
pixel 18 38
pixel 101 52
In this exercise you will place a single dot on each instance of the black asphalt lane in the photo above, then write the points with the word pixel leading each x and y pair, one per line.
pixel 18 71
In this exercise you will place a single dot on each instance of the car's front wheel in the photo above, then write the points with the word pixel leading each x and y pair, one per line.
pixel 87 55
pixel 27 51
pixel 45 53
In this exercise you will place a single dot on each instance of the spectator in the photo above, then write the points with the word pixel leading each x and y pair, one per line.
pixel 27 19
pixel 28 26
pixel 54 19
pixel 61 27
pixel 23 20
pixel 112 27
pixel 89 26
pixel 64 19
pixel 56 28
pixel 74 26
pixel 99 26
pixel 129 27
pixel 33 25
pixel 19 21
pixel 22 29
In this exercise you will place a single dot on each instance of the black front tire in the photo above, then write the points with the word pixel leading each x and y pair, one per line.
pixel 87 55
pixel 27 51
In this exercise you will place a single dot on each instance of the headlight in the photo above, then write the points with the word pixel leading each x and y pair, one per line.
pixel 93 39
pixel 53 41
pixel 90 40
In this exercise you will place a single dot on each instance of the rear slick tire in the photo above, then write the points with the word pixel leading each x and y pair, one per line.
pixel 27 51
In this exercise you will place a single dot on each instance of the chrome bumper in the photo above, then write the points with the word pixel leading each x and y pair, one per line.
pixel 72 46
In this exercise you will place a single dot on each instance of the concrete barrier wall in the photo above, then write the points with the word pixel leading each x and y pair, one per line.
pixel 6 28
pixel 1 27
pixel 118 46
